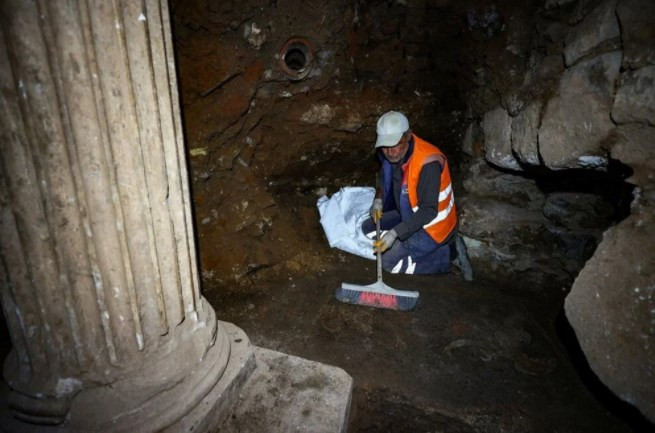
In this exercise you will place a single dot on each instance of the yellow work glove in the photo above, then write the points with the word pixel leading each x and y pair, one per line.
pixel 376 210
pixel 385 241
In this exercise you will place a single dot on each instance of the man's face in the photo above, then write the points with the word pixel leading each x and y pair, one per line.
pixel 396 153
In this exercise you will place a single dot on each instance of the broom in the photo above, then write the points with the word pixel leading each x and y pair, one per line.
pixel 378 294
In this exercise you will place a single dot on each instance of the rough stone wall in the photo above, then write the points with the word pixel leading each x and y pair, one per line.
pixel 612 303
pixel 543 111
pixel 583 106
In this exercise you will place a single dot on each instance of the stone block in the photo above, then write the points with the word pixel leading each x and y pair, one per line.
pixel 577 246
pixel 599 26
pixel 578 119
pixel 471 144
pixel 207 413
pixel 635 146
pixel 500 222
pixel 497 127
pixel 498 236
pixel 580 11
pixel 550 67
pixel 577 210
pixel 637 19
pixel 611 307
pixel 524 134
pixel 635 98
pixel 483 181
pixel 290 394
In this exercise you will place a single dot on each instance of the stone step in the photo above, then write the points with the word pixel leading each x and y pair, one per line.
pixel 290 394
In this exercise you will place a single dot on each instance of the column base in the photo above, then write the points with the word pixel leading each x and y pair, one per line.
pixel 82 418
pixel 260 390
pixel 212 409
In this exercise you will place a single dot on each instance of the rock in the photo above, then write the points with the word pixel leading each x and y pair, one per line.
pixel 524 134
pixel 318 114
pixel 467 142
pixel 577 210
pixel 497 127
pixel 581 10
pixel 575 245
pixel 198 151
pixel 550 4
pixel 255 36
pixel 592 162
pixel 551 31
pixel 287 393
pixel 551 66
pixel 225 155
pixel 513 103
pixel 635 146
pixel 599 26
pixel 635 99
pixel 472 143
pixel 503 232
pixel 499 221
pixel 637 18
pixel 540 78
pixel 499 238
pixel 611 307
pixel 352 122
pixel 483 181
pixel 489 22
pixel 569 136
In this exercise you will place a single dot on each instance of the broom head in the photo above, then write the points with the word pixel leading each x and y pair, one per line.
pixel 377 295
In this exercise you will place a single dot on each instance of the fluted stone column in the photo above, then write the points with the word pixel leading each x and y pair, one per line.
pixel 98 272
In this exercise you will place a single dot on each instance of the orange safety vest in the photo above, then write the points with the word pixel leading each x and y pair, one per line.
pixel 446 220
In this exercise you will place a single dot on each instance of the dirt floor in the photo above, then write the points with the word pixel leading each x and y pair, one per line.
pixel 473 357
pixel 470 358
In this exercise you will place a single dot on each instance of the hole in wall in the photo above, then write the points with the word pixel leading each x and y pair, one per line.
pixel 296 57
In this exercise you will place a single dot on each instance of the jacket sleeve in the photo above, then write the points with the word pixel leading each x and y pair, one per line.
pixel 429 184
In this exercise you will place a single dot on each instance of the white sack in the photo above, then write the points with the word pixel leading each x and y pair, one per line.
pixel 342 216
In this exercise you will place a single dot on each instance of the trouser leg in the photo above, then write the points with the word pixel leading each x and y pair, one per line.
pixel 419 254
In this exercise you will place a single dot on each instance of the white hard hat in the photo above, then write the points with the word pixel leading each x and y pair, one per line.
pixel 391 127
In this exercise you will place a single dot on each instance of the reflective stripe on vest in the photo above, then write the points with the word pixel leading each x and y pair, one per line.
pixel 445 195
pixel 446 220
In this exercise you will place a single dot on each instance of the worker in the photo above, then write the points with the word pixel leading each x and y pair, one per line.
pixel 414 203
